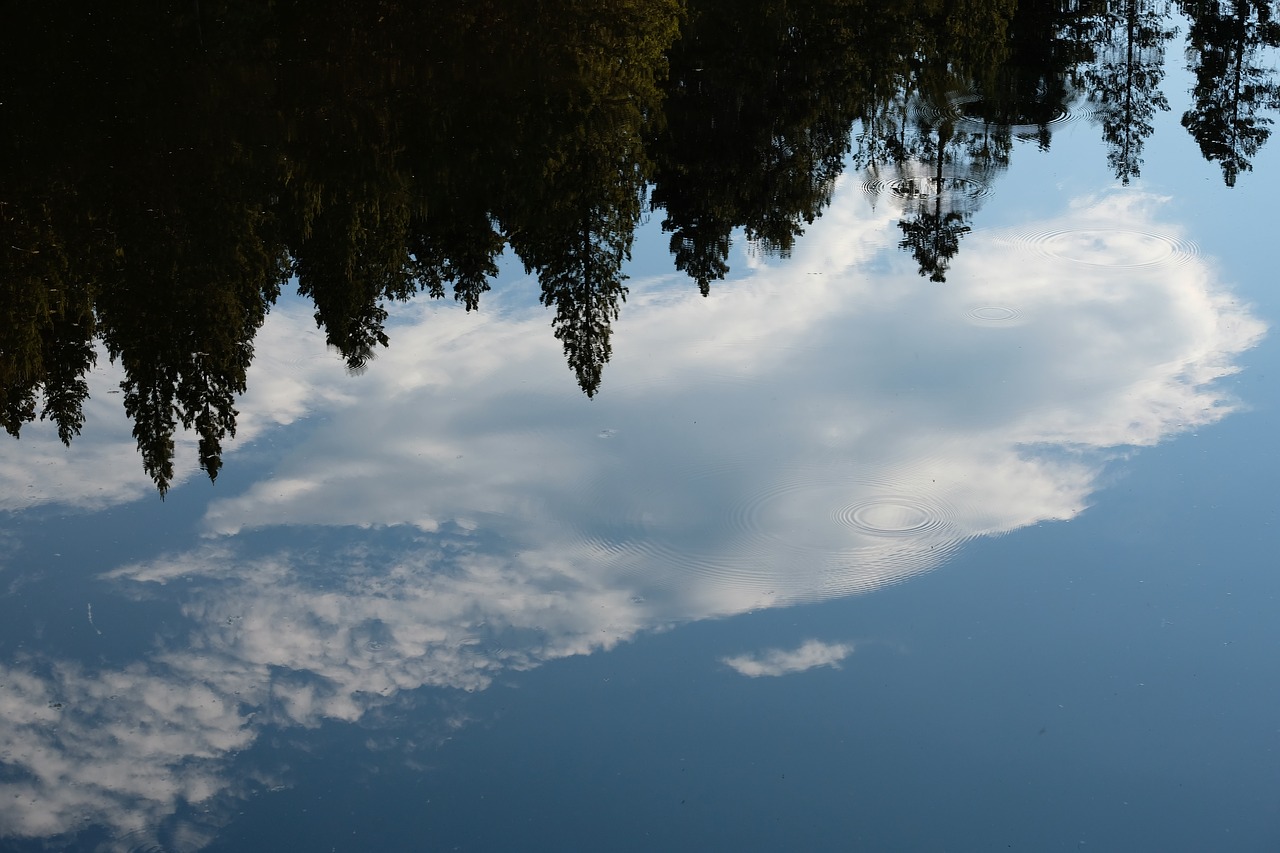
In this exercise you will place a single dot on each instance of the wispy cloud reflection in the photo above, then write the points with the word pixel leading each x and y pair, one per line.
pixel 775 662
pixel 810 430
pixel 118 748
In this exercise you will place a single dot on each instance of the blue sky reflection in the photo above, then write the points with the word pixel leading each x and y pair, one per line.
pixel 821 426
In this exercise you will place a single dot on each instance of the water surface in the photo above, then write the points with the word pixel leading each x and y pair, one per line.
pixel 941 521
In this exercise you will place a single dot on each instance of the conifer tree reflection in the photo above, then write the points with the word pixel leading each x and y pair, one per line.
pixel 168 169
pixel 922 148
pixel 350 241
pixel 157 238
pixel 1033 88
pixel 1232 86
pixel 758 116
pixel 214 255
pixel 47 325
pixel 940 189
pixel 1123 81
pixel 574 231
pixel 246 155
pixel 591 103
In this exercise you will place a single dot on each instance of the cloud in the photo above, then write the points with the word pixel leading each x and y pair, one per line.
pixel 808 430
pixel 119 748
pixel 775 662
pixel 819 427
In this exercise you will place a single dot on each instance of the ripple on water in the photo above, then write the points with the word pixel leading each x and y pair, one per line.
pixel 650 524
pixel 1113 248
pixel 892 516
pixel 806 534
pixel 1018 116
pixel 994 315
pixel 969 111
pixel 925 187
pixel 932 187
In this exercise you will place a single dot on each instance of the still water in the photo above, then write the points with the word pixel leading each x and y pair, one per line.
pixel 943 521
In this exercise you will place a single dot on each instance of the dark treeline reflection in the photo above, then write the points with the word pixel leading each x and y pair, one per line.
pixel 169 167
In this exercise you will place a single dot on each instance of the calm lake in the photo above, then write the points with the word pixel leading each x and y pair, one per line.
pixel 817 425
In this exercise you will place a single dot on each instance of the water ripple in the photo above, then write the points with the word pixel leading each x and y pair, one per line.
pixel 925 187
pixel 808 533
pixel 969 111
pixel 1113 248
pixel 994 315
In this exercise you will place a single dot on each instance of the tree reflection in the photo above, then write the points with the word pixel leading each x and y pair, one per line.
pixel 927 144
pixel 758 115
pixel 1232 88
pixel 169 169
pixel 1123 81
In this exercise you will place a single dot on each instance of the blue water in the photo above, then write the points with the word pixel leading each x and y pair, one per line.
pixel 839 558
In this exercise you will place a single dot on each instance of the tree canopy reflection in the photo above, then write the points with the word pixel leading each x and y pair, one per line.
pixel 169 168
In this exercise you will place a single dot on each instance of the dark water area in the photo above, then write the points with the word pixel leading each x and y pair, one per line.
pixel 639 426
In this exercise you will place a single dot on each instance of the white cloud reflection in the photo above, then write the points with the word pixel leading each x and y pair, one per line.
pixel 775 662
pixel 808 431
pixel 117 748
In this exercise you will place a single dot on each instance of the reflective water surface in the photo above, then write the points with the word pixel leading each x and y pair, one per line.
pixel 921 501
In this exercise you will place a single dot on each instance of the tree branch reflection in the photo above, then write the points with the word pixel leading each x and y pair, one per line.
pixel 169 170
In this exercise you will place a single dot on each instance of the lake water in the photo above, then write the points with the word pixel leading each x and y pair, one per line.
pixel 863 550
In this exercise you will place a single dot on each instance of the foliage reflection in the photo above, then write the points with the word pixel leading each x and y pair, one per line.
pixel 170 167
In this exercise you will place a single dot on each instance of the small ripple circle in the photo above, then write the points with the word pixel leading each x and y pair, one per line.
pixel 1114 248
pixel 994 315
pixel 892 516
